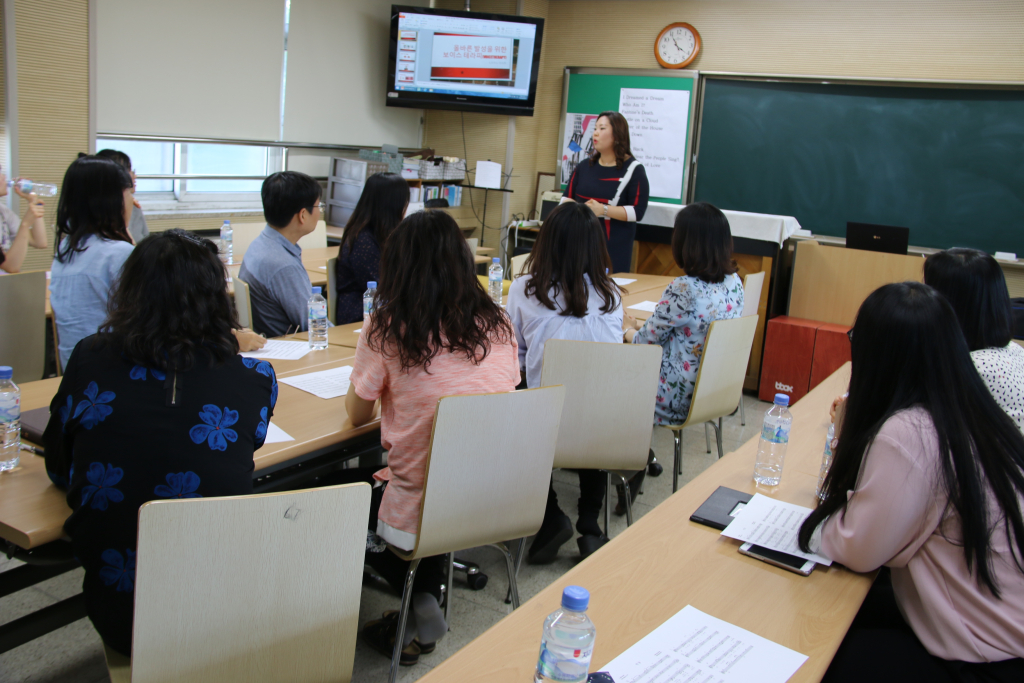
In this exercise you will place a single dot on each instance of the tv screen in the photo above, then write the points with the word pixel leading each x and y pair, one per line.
pixel 464 61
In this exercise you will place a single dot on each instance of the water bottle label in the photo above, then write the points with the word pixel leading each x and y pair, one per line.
pixel 318 312
pixel 11 411
pixel 569 666
pixel 494 277
pixel 775 433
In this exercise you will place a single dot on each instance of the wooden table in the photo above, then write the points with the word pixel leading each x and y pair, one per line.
pixel 646 295
pixel 346 336
pixel 33 510
pixel 644 283
pixel 664 562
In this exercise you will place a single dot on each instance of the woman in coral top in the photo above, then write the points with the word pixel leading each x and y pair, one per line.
pixel 927 483
pixel 434 332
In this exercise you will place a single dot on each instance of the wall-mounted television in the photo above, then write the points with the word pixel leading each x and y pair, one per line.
pixel 463 61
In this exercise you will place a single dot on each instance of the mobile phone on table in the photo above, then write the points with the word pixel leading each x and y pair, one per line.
pixel 797 565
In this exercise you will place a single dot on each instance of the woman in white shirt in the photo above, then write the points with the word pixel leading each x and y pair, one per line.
pixel 974 285
pixel 566 293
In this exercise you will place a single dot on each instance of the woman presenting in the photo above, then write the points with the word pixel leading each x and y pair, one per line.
pixel 613 184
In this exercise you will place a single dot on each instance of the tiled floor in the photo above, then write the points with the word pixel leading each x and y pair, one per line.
pixel 74 654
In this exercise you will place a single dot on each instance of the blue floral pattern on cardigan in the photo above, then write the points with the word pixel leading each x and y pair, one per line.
pixel 680 325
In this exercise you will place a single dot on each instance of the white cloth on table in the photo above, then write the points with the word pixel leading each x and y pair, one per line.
pixel 754 226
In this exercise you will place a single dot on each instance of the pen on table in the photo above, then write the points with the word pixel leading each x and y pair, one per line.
pixel 32 449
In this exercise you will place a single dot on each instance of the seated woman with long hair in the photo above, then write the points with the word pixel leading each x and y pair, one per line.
pixel 566 293
pixel 434 332
pixel 380 208
pixel 975 287
pixel 927 480
pixel 158 404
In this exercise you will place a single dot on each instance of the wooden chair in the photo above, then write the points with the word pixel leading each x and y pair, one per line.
pixel 610 392
pixel 332 289
pixel 518 263
pixel 316 239
pixel 262 587
pixel 472 242
pixel 23 332
pixel 486 481
pixel 243 304
pixel 753 283
pixel 244 233
pixel 719 383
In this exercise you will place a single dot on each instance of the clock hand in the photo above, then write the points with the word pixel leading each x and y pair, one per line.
pixel 677 46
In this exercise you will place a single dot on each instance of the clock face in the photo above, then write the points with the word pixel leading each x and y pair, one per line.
pixel 677 45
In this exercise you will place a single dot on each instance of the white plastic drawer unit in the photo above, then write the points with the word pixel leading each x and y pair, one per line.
pixel 337 215
pixel 344 193
pixel 349 169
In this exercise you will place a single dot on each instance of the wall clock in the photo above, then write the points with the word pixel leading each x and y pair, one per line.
pixel 677 45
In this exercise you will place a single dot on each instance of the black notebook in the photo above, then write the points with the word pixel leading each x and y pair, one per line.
pixel 716 510
pixel 33 424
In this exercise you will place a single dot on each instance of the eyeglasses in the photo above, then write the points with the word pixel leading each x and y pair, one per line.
pixel 849 334
pixel 319 205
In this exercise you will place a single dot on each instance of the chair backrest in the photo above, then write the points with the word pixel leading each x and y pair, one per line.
pixel 723 368
pixel 518 264
pixel 489 468
pixel 332 289
pixel 316 239
pixel 242 235
pixel 472 242
pixel 243 304
pixel 610 391
pixel 23 331
pixel 262 587
pixel 752 285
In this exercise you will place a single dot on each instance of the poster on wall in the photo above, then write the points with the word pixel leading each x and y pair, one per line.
pixel 579 143
pixel 655 119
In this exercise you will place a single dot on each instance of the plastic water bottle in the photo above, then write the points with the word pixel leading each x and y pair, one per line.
pixel 771 449
pixel 371 291
pixel 494 275
pixel 826 461
pixel 28 187
pixel 10 420
pixel 567 643
pixel 227 249
pixel 317 320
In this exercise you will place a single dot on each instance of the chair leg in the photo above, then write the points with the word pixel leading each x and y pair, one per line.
pixel 629 504
pixel 510 564
pixel 607 502
pixel 403 616
pixel 707 438
pixel 677 466
pixel 719 435
pixel 743 413
pixel 449 587
pixel 520 551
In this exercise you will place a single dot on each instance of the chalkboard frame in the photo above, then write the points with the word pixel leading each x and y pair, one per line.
pixel 691 134
pixel 824 80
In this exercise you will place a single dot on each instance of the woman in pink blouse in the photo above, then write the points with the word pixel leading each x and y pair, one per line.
pixel 928 481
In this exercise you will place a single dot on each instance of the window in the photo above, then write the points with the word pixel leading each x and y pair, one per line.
pixel 148 158
pixel 227 160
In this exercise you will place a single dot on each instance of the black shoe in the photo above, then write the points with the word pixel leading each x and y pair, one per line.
pixel 589 544
pixel 654 467
pixel 548 540
pixel 380 635
pixel 425 648
pixel 634 490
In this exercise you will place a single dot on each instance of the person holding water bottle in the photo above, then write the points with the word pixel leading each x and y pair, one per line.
pixel 279 285
pixel 711 290
pixel 16 236
pixel 926 484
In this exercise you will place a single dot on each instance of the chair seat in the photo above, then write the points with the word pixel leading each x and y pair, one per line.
pixel 119 666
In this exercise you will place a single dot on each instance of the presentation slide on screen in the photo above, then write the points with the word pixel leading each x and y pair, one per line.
pixel 463 56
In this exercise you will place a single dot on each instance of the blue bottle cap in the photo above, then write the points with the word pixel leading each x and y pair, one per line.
pixel 371 285
pixel 6 372
pixel 576 598
pixel 781 400
pixel 316 290
pixel 495 260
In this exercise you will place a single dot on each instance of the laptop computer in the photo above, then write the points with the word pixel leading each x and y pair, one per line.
pixel 889 239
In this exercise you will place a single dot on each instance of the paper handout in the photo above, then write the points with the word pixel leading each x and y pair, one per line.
pixel 772 524
pixel 623 281
pixel 325 384
pixel 694 646
pixel 276 435
pixel 648 306
pixel 278 349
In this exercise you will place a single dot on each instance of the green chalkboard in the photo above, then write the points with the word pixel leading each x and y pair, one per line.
pixel 591 91
pixel 947 163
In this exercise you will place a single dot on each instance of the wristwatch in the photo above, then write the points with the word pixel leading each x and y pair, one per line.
pixel 605 214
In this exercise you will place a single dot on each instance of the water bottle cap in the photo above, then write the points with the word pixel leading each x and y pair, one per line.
pixel 316 290
pixel 6 372
pixel 227 222
pixel 576 598
pixel 781 400
pixel 495 260
pixel 371 285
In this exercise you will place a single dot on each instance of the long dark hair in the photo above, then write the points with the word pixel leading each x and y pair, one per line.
pixel 702 242
pixel 620 137
pixel 908 352
pixel 570 245
pixel 170 306
pixel 429 299
pixel 975 286
pixel 91 203
pixel 379 209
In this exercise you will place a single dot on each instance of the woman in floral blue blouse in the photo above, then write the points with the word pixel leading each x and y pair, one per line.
pixel 156 405
pixel 711 290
